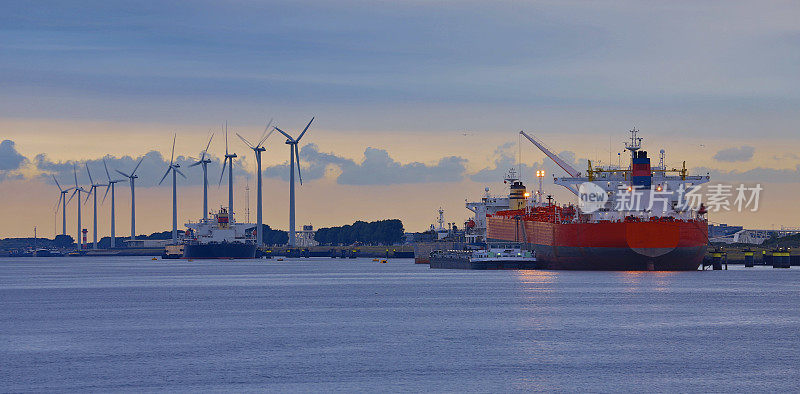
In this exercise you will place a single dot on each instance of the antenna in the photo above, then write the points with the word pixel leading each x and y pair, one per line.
pixel 636 142
pixel 247 198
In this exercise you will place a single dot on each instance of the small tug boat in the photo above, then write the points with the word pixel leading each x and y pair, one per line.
pixel 484 259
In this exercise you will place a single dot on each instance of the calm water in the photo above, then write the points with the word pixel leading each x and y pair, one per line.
pixel 132 324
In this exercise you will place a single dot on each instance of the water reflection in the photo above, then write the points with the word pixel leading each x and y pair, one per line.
pixel 536 281
pixel 633 280
pixel 536 276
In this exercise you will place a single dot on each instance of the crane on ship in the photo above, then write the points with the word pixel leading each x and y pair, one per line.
pixel 559 161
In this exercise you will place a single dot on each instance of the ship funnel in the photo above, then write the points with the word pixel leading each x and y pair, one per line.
pixel 516 198
pixel 642 175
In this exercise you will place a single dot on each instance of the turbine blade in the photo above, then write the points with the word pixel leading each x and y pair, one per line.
pixel 91 181
pixel 58 204
pixel 59 186
pixel 245 141
pixel 137 166
pixel 88 194
pixel 284 133
pixel 266 137
pixel 108 187
pixel 196 164
pixel 165 175
pixel 224 164
pixel 207 146
pixel 123 174
pixel 180 173
pixel 75 173
pixel 172 156
pixel 226 138
pixel 297 160
pixel 304 130
pixel 73 195
pixel 263 138
pixel 106 167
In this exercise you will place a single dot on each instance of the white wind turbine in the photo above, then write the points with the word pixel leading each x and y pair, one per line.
pixel 174 168
pixel 228 159
pixel 77 191
pixel 257 149
pixel 111 183
pixel 204 161
pixel 293 151
pixel 132 180
pixel 62 204
pixel 93 192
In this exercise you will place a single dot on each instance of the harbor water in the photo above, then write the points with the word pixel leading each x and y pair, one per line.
pixel 321 324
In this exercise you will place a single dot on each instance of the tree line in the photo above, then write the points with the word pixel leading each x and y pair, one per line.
pixel 381 232
pixel 272 237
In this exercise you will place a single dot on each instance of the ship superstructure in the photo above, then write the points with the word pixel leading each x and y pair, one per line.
pixel 487 206
pixel 626 218
pixel 219 237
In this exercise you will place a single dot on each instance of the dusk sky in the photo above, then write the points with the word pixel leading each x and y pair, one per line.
pixel 418 104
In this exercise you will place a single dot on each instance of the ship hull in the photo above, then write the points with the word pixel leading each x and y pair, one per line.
pixel 232 250
pixel 618 246
pixel 467 264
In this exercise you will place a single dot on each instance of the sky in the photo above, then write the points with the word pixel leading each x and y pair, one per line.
pixel 417 104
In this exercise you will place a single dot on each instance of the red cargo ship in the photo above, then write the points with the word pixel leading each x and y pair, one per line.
pixel 662 235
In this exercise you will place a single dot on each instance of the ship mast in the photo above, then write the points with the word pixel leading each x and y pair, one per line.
pixel 635 144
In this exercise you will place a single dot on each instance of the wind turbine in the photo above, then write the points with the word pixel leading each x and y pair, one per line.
pixel 204 162
pixel 110 186
pixel 132 178
pixel 257 149
pixel 77 191
pixel 93 192
pixel 174 168
pixel 293 151
pixel 228 158
pixel 62 204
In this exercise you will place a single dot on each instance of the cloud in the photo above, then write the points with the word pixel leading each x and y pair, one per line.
pixel 755 175
pixel 377 168
pixel 380 169
pixel 786 156
pixel 504 158
pixel 150 171
pixel 10 161
pixel 742 153
pixel 394 53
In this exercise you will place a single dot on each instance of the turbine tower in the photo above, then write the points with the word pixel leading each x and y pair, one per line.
pixel 204 162
pixel 62 204
pixel 93 192
pixel 111 183
pixel 228 158
pixel 77 191
pixel 257 149
pixel 174 168
pixel 132 179
pixel 293 151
